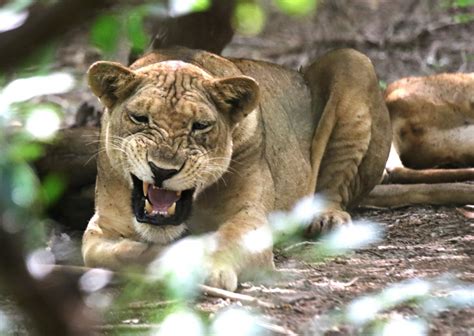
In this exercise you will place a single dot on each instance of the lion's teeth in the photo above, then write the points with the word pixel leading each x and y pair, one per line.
pixel 172 209
pixel 145 188
pixel 148 207
pixel 178 193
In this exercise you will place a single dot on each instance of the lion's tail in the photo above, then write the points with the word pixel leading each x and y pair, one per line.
pixel 400 195
pixel 404 186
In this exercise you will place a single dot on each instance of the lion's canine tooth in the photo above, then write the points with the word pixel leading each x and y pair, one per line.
pixel 148 207
pixel 145 188
pixel 172 209
pixel 178 193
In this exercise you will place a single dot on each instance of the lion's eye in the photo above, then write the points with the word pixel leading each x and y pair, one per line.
pixel 201 126
pixel 138 119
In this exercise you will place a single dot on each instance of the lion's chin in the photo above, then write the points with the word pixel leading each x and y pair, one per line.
pixel 160 234
pixel 160 207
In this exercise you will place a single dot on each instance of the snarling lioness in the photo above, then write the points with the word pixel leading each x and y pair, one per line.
pixel 191 141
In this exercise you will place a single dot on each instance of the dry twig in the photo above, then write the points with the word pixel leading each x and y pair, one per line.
pixel 224 294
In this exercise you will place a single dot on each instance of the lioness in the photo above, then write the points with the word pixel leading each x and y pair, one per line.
pixel 194 141
pixel 433 120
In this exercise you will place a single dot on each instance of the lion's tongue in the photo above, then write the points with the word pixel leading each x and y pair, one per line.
pixel 161 199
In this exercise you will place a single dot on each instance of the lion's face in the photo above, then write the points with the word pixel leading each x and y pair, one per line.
pixel 169 131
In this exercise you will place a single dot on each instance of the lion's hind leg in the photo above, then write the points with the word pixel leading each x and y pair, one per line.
pixel 352 140
pixel 338 181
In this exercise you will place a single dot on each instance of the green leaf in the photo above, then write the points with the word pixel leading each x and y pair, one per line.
pixel 17 5
pixel 25 184
pixel 464 18
pixel 249 18
pixel 201 5
pixel 464 3
pixel 43 122
pixel 19 91
pixel 39 62
pixel 52 188
pixel 105 33
pixel 136 31
pixel 25 151
pixel 296 7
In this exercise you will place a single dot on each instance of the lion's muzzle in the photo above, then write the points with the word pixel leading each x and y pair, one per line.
pixel 154 205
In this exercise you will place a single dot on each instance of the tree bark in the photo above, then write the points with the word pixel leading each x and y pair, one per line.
pixel 43 25
pixel 53 304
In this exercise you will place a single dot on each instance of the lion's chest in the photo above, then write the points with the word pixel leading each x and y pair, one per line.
pixel 213 208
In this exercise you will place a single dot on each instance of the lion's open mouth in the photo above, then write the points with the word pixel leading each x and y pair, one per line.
pixel 158 206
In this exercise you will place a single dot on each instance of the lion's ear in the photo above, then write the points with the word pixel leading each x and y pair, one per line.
pixel 236 96
pixel 111 81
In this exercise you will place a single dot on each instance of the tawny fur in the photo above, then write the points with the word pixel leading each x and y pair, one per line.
pixel 289 135
pixel 433 124
pixel 433 120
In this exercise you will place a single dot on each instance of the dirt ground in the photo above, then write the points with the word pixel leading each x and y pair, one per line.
pixel 403 38
pixel 420 242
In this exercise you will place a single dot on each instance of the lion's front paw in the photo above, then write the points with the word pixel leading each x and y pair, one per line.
pixel 222 276
pixel 134 252
pixel 128 250
pixel 327 221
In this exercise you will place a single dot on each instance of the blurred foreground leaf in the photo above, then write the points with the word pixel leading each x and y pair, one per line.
pixel 367 315
pixel 23 89
pixel 297 7
pixel 201 5
pixel 11 19
pixel 463 3
pixel 25 186
pixel 25 151
pixel 43 122
pixel 249 18
pixel 105 33
pixel 464 18
pixel 52 188
pixel 136 31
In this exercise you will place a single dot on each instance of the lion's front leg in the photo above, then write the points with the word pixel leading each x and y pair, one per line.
pixel 243 246
pixel 100 249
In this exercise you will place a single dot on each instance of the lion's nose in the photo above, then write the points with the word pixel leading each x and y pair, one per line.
pixel 161 174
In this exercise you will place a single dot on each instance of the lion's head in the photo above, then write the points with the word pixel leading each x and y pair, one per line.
pixel 168 131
